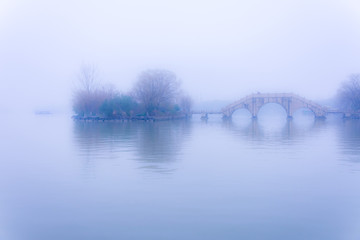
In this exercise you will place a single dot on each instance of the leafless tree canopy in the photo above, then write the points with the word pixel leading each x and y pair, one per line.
pixel 186 103
pixel 89 94
pixel 349 94
pixel 88 78
pixel 156 89
pixel 156 92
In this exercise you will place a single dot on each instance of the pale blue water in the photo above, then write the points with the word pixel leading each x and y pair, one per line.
pixel 266 179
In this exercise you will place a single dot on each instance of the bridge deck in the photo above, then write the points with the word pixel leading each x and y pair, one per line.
pixel 288 98
pixel 206 112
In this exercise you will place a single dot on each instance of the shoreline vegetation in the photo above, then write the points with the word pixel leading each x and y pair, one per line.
pixel 156 96
pixel 133 118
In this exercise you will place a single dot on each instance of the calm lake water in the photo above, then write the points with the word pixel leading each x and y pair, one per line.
pixel 269 179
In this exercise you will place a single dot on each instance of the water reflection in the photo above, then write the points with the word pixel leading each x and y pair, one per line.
pixel 278 129
pixel 155 145
pixel 349 140
pixel 265 179
pixel 159 144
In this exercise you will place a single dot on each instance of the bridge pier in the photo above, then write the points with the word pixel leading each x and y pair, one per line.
pixel 226 117
pixel 289 111
pixel 204 116
pixel 320 116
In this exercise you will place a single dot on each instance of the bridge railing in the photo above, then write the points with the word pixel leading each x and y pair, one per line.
pixel 206 112
pixel 274 95
pixel 310 102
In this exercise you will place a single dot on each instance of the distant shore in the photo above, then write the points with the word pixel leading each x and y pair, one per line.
pixel 125 119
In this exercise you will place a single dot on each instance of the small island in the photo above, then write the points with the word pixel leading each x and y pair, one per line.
pixel 155 96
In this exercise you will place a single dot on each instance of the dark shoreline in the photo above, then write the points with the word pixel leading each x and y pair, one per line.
pixel 126 119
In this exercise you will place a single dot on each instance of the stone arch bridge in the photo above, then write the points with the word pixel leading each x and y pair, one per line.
pixel 289 101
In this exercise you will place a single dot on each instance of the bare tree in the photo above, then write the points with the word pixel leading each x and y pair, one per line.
pixel 186 103
pixel 156 90
pixel 88 78
pixel 89 95
pixel 349 94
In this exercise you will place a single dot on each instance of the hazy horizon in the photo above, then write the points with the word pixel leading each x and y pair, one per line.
pixel 220 50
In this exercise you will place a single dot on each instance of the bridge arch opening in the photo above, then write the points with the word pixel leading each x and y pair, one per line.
pixel 272 110
pixel 272 117
pixel 303 115
pixel 241 114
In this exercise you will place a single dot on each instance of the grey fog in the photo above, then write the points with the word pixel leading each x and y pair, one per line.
pixel 169 119
pixel 220 50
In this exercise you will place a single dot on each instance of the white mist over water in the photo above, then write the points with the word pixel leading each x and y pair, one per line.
pixel 266 179
pixel 221 50
pixel 271 178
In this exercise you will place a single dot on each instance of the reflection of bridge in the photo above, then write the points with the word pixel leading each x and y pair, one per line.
pixel 289 101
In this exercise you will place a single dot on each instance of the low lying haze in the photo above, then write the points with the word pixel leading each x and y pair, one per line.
pixel 221 50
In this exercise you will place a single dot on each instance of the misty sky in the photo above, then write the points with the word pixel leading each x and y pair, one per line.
pixel 220 49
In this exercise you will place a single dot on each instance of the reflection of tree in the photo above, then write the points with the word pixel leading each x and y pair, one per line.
pixel 159 143
pixel 349 140
pixel 153 144
pixel 102 136
pixel 102 141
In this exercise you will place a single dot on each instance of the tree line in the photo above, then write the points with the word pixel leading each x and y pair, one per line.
pixel 349 94
pixel 156 93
